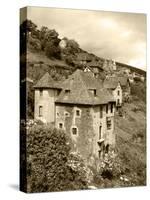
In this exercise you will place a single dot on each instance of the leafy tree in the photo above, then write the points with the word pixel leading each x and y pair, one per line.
pixel 48 161
pixel 52 50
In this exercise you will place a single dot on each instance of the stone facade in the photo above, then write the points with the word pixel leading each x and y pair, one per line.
pixel 89 126
pixel 117 93
pixel 44 107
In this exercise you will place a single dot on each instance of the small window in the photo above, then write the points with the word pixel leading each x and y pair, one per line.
pixel 111 108
pixel 40 111
pixel 101 111
pixel 95 93
pixel 78 113
pixel 41 93
pixel 107 108
pixel 67 91
pixel 60 125
pixel 107 148
pixel 118 101
pixel 118 92
pixel 57 114
pixel 74 131
pixel 100 132
pixel 58 92
pixel 67 114
pixel 108 123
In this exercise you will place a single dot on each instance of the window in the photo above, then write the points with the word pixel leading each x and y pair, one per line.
pixel 67 114
pixel 101 111
pixel 93 91
pixel 78 113
pixel 58 92
pixel 107 108
pixel 108 123
pixel 60 125
pixel 111 108
pixel 67 91
pixel 40 111
pixel 41 92
pixel 107 148
pixel 118 92
pixel 100 132
pixel 118 101
pixel 74 131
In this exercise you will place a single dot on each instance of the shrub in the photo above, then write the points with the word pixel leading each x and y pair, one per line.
pixel 48 151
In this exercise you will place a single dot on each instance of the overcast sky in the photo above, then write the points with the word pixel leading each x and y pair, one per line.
pixel 114 35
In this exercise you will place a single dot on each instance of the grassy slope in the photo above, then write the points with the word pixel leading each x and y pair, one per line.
pixel 132 150
pixel 36 57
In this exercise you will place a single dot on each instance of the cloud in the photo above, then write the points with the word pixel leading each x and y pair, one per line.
pixel 115 35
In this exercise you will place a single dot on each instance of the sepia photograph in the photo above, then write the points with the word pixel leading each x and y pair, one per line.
pixel 82 99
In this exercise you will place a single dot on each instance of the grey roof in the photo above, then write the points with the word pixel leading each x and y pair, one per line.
pixel 112 82
pixel 47 82
pixel 80 83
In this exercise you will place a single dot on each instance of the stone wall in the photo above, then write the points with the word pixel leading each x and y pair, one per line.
pixel 116 96
pixel 46 100
pixel 87 124
pixel 83 139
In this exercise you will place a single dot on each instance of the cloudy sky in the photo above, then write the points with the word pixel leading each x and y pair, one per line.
pixel 114 35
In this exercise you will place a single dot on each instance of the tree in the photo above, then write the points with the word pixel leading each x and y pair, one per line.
pixel 52 49
pixel 48 161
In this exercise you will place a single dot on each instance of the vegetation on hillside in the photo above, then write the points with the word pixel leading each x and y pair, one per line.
pixel 51 166
pixel 49 154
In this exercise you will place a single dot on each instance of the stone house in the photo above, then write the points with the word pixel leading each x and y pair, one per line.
pixel 115 87
pixel 82 108
pixel 120 88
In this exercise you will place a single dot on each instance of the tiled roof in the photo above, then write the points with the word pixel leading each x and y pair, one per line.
pixel 80 83
pixel 112 82
pixel 47 82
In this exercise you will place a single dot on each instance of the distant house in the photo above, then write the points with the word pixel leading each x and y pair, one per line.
pixel 120 87
pixel 95 68
pixel 109 65
pixel 114 86
pixel 82 108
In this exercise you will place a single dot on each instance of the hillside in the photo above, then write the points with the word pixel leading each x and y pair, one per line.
pixel 131 141
pixel 45 55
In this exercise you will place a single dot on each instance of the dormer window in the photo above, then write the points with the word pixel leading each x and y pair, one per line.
pixel 58 92
pixel 118 92
pixel 93 91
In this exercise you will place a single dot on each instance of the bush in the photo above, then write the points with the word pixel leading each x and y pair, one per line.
pixel 48 153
